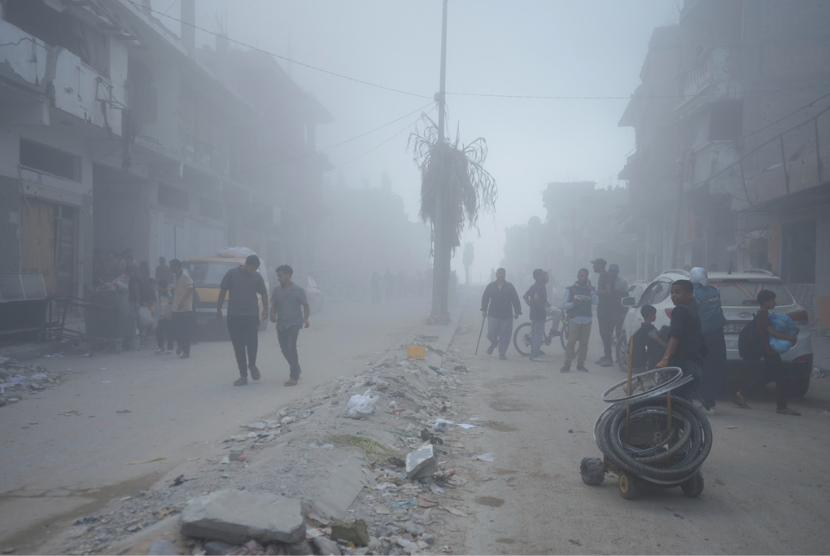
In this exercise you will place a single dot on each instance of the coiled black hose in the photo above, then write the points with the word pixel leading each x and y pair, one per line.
pixel 650 448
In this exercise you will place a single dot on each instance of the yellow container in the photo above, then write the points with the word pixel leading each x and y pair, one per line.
pixel 416 352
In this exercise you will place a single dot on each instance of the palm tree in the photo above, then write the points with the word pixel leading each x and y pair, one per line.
pixel 455 188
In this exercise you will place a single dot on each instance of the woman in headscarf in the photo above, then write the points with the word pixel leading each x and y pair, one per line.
pixel 712 321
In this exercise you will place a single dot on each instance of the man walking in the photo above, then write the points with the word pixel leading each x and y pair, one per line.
pixel 578 301
pixel 537 298
pixel 499 298
pixel 289 309
pixel 182 306
pixel 244 283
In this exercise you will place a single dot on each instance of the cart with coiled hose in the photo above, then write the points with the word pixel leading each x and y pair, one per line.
pixel 649 437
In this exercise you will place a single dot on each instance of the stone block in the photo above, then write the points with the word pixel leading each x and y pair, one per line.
pixel 421 462
pixel 236 517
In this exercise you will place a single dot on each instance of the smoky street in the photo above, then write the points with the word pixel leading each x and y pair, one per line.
pixel 417 277
pixel 55 468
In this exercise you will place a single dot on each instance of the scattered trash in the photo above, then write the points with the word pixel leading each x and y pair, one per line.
pixel 72 413
pixel 453 511
pixel 427 502
pixel 361 405
pixel 460 368
pixel 123 411
pixel 466 426
pixel 818 373
pixel 485 457
pixel 405 503
pixel 415 352
pixel 427 436
pixel 179 480
pixel 441 425
pixel 827 413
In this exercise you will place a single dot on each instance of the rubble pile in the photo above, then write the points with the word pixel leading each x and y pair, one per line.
pixel 404 449
pixel 19 380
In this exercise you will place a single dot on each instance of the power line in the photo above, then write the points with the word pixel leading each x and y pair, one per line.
pixel 315 68
pixel 609 97
pixel 785 117
pixel 382 144
pixel 318 151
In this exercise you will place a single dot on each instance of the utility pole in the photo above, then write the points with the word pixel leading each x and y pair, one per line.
pixel 440 274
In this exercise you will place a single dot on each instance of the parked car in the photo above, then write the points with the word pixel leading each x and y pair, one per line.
pixel 738 292
pixel 207 274
pixel 312 291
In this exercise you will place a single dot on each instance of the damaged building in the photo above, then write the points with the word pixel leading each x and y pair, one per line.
pixel 732 124
pixel 116 133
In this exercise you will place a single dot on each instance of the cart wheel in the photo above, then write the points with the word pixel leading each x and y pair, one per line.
pixel 694 486
pixel 593 471
pixel 629 488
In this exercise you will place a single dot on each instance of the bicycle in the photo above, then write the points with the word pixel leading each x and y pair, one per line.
pixel 521 336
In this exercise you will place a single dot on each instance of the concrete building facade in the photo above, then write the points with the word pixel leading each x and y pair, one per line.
pixel 116 133
pixel 749 140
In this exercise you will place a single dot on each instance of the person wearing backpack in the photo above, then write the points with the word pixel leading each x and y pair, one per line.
pixel 772 360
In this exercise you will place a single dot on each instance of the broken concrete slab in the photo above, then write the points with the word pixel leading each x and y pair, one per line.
pixel 344 485
pixel 238 516
pixel 421 462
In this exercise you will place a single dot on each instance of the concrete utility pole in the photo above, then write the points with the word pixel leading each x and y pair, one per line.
pixel 440 274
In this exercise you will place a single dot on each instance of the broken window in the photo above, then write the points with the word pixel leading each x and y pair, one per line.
pixel 60 29
pixel 51 161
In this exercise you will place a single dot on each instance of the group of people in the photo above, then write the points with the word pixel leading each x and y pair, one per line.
pixel 289 310
pixel 694 340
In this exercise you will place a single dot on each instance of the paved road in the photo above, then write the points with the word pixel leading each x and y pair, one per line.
pixel 56 466
pixel 766 488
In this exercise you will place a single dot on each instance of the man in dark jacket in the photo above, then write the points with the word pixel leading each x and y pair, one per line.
pixel 499 302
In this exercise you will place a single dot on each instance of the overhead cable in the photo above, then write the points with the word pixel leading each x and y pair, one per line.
pixel 315 68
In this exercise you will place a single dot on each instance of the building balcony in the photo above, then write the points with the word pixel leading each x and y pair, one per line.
pixel 712 78
pixel 77 89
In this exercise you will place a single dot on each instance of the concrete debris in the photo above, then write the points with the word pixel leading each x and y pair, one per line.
pixel 18 380
pixel 235 516
pixel 421 462
pixel 404 510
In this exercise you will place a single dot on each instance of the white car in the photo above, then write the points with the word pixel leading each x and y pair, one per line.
pixel 738 292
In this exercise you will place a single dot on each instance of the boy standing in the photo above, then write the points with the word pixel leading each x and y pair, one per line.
pixel 537 298
pixel 165 305
pixel 686 348
pixel 649 347
pixel 772 361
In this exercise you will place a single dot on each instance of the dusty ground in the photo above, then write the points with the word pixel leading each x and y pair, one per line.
pixel 766 491
pixel 765 487
pixel 64 449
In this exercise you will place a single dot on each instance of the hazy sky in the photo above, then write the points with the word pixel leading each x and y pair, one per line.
pixel 518 47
